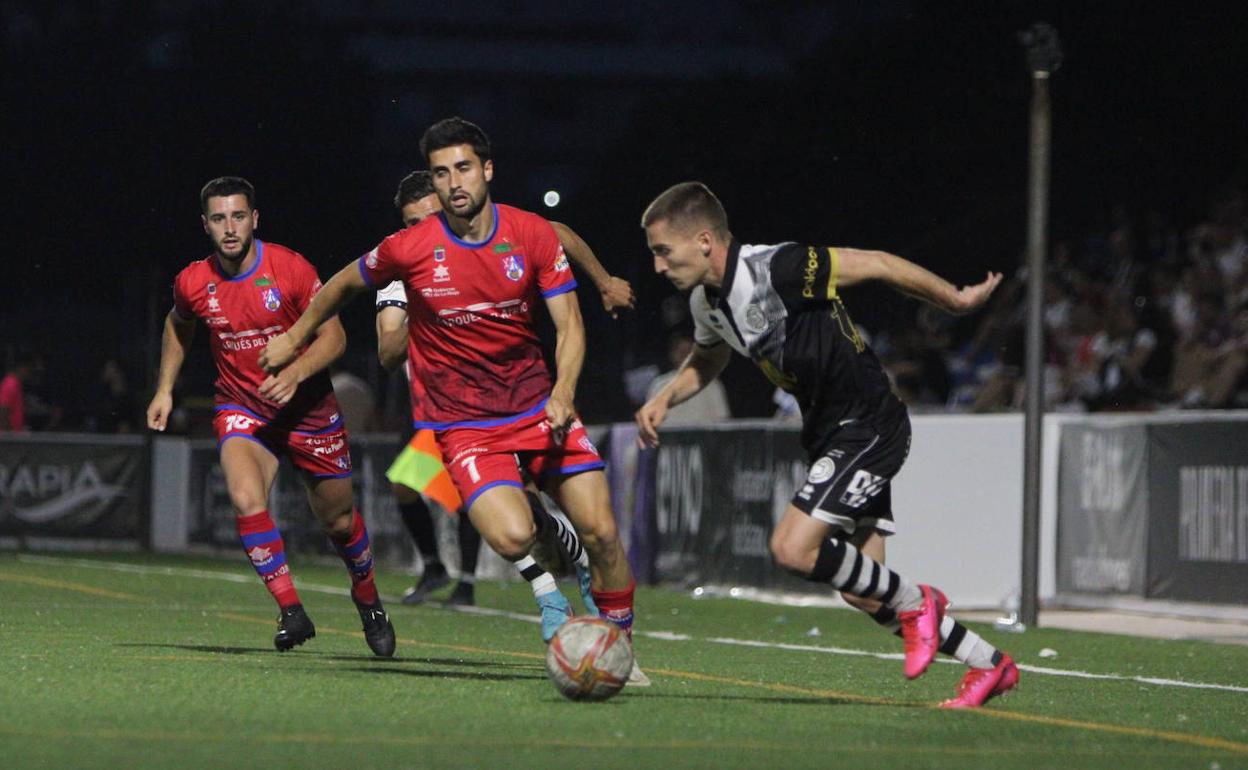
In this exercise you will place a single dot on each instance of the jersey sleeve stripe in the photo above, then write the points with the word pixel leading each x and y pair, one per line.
pixel 368 281
pixel 562 289
pixel 834 271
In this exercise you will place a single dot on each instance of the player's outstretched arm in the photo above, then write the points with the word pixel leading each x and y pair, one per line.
pixel 565 312
pixel 332 297
pixel 856 266
pixel 174 342
pixel 703 365
pixel 391 336
pixel 617 293
pixel 328 346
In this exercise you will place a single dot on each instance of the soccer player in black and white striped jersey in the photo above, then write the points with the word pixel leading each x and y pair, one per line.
pixel 780 306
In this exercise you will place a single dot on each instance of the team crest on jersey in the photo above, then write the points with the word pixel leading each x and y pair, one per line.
pixel 272 298
pixel 755 320
pixel 212 288
pixel 513 266
pixel 439 253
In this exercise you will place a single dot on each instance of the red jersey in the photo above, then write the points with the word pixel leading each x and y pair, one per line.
pixel 242 314
pixel 475 355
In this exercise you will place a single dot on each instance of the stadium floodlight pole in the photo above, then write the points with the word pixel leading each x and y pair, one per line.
pixel 1044 56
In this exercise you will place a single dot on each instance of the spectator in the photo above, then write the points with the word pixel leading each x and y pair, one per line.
pixel 12 399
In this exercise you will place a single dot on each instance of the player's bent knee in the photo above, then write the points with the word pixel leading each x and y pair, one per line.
pixel 339 526
pixel 600 537
pixel 512 543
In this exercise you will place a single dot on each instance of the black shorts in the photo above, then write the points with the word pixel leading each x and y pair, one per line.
pixel 849 484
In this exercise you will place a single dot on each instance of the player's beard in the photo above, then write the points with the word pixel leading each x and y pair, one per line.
pixel 474 208
pixel 244 247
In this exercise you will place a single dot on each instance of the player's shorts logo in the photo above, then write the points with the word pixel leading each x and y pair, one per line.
pixel 821 471
pixel 513 266
pixel 272 298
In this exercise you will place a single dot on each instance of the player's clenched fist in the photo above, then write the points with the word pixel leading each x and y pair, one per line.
pixel 158 411
pixel 277 354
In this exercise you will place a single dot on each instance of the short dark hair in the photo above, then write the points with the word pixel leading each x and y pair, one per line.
pixel 414 186
pixel 225 186
pixel 688 204
pixel 453 131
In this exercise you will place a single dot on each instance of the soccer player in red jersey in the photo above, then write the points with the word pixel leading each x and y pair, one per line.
pixel 246 292
pixel 474 276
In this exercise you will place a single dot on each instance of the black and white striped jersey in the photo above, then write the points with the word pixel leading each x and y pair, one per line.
pixel 779 306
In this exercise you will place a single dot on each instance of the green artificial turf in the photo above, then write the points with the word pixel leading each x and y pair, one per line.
pixel 144 661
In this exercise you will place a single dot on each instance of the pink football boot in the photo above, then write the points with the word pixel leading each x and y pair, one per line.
pixel 920 630
pixel 981 684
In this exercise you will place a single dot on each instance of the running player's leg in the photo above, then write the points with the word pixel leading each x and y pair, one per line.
pixel 585 498
pixel 418 520
pixel 469 549
pixel 552 528
pixel 501 514
pixel 250 469
pixel 326 464
pixel 332 503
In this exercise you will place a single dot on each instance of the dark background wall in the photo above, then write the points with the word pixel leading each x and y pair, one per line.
pixel 898 124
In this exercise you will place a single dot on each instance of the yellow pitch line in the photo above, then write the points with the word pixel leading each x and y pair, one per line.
pixel 68 586
pixel 1165 735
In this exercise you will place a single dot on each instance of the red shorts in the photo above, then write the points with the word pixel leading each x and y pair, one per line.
pixel 480 458
pixel 323 455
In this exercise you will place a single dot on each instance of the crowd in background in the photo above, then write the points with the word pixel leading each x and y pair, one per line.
pixel 1141 315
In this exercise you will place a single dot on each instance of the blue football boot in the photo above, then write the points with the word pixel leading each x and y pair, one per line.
pixel 555 612
pixel 587 595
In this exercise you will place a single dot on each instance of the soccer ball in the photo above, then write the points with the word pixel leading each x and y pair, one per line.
pixel 589 659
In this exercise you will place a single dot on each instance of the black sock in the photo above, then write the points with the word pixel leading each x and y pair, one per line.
pixel 419 522
pixel 566 535
pixel 469 545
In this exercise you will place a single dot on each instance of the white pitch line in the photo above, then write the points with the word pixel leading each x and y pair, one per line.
pixel 668 636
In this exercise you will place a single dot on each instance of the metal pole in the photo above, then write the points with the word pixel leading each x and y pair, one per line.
pixel 1044 56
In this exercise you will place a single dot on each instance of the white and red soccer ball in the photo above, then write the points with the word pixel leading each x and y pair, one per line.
pixel 589 659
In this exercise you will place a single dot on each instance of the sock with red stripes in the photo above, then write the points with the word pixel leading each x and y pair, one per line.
pixel 617 606
pixel 357 554
pixel 263 545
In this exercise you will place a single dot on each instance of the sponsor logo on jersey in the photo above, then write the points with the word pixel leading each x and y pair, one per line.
pixel 264 280
pixel 809 274
pixel 272 298
pixel 821 471
pixel 513 266
pixel 502 248
pixel 212 288
pixel 561 261
pixel 439 253
pixel 214 305
pixel 441 274
pixel 218 320
pixel 439 291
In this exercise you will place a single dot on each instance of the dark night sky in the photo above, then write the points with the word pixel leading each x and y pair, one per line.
pixel 896 125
